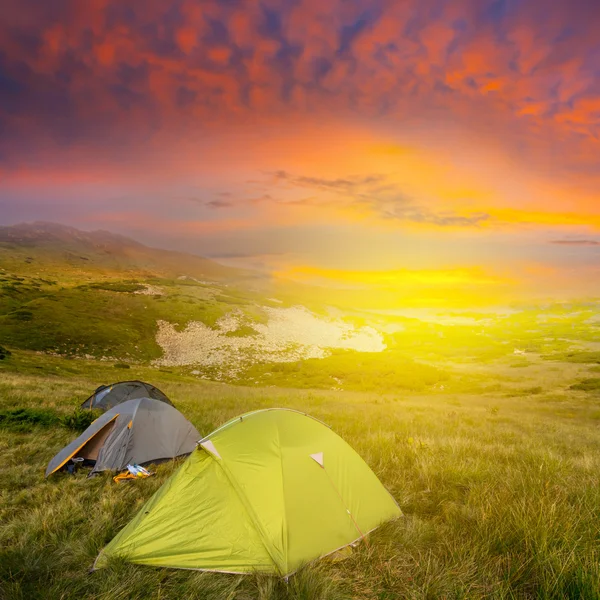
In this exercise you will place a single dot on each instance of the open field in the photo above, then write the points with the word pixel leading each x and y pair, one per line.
pixel 483 424
pixel 499 490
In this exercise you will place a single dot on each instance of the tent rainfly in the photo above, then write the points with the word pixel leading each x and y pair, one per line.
pixel 138 431
pixel 267 492
pixel 107 396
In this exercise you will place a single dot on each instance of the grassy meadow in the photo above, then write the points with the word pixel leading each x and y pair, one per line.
pixel 499 489
pixel 485 427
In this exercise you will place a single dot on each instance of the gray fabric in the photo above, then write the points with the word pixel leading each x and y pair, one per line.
pixel 112 455
pixel 94 428
pixel 158 431
pixel 108 396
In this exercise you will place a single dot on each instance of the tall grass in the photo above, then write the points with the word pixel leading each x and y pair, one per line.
pixel 500 495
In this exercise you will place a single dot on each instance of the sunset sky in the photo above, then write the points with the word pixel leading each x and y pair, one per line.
pixel 347 142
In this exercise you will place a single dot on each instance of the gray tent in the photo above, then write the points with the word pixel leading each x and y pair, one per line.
pixel 107 396
pixel 138 431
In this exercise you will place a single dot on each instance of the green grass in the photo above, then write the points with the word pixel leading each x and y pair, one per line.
pixel 242 331
pixel 80 420
pixel 107 318
pixel 16 290
pixel 116 286
pixel 485 432
pixel 500 494
pixel 75 294
pixel 23 420
pixel 348 370
pixel 576 357
pixel 591 384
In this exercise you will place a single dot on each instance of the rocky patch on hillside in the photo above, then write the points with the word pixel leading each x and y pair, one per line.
pixel 290 334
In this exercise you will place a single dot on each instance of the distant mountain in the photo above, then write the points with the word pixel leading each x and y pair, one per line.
pixel 103 295
pixel 42 232
pixel 50 247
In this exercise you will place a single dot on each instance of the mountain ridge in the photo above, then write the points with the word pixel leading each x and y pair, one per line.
pixel 40 242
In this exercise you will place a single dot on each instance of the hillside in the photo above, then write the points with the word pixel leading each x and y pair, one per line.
pixel 97 295
pixel 483 425
pixel 53 250
pixel 100 296
pixel 76 293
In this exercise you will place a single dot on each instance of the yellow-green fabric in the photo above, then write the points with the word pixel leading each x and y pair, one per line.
pixel 254 499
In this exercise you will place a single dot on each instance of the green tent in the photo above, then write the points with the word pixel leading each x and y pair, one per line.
pixel 268 491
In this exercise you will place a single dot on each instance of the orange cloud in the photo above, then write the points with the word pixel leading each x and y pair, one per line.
pixel 462 117
pixel 187 38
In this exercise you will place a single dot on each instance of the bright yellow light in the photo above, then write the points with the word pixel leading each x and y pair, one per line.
pixel 465 286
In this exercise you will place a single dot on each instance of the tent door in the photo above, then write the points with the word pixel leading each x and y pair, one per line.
pixel 112 453
pixel 95 443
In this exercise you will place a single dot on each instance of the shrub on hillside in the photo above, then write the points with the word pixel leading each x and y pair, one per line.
pixel 21 314
pixel 23 420
pixel 117 286
pixel 4 353
pixel 242 331
pixel 80 420
pixel 588 385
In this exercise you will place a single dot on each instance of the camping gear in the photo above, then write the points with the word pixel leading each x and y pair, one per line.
pixel 74 464
pixel 267 492
pixel 132 472
pixel 138 431
pixel 108 396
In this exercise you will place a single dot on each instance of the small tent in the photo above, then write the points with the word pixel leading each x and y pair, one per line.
pixel 138 431
pixel 267 492
pixel 107 396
